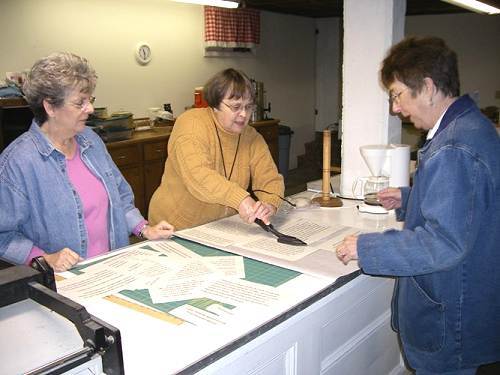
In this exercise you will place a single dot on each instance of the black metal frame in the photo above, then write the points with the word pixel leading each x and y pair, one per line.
pixel 18 283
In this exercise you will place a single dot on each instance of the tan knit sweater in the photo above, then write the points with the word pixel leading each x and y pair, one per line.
pixel 193 189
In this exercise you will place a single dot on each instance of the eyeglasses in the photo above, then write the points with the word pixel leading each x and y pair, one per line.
pixel 84 104
pixel 394 97
pixel 238 108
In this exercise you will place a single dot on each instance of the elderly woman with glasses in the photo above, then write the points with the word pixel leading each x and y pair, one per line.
pixel 446 259
pixel 213 159
pixel 63 198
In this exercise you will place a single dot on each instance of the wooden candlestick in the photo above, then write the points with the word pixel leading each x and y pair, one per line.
pixel 326 200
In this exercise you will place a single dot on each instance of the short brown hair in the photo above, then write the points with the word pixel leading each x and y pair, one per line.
pixel 231 81
pixel 53 77
pixel 416 58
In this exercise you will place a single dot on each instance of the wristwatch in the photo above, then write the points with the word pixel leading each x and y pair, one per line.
pixel 140 234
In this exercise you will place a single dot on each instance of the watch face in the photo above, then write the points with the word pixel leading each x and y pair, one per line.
pixel 143 53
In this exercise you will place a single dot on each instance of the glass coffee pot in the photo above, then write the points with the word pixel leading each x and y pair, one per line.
pixel 366 188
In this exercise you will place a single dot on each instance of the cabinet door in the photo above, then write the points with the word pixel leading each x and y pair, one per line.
pixel 13 122
pixel 135 178
pixel 155 154
pixel 128 158
pixel 141 163
pixel 155 150
pixel 153 171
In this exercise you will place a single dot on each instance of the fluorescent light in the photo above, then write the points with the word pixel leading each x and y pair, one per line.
pixel 214 3
pixel 475 6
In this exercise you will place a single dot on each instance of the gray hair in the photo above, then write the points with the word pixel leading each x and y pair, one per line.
pixel 52 78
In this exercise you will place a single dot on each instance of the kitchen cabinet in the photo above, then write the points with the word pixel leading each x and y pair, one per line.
pixel 128 159
pixel 15 119
pixel 141 160
pixel 155 154
pixel 269 131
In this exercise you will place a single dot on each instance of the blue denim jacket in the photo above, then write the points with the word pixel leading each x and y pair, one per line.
pixel 446 304
pixel 39 205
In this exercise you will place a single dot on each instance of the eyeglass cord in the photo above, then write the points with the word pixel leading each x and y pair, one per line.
pixel 284 199
pixel 222 154
pixel 280 197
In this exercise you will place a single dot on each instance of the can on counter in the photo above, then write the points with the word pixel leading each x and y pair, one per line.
pixel 199 101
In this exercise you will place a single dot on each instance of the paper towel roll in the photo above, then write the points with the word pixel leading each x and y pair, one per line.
pixel 400 165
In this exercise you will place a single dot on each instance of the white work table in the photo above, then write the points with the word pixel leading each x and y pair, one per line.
pixel 343 329
pixel 316 326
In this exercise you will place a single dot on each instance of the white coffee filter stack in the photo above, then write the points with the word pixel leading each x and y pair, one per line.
pixel 391 160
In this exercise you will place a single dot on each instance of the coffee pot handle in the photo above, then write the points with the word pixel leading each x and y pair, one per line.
pixel 357 185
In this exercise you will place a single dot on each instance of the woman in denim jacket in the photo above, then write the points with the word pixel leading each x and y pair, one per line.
pixel 446 304
pixel 62 196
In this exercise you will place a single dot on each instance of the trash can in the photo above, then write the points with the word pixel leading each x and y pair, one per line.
pixel 285 135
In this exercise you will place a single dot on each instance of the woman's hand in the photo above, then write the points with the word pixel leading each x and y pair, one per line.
pixel 390 198
pixel 160 231
pixel 62 260
pixel 348 249
pixel 250 210
pixel 264 211
pixel 246 210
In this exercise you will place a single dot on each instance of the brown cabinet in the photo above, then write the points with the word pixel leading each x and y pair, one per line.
pixel 269 131
pixel 141 160
pixel 15 119
pixel 135 177
pixel 155 154
pixel 128 158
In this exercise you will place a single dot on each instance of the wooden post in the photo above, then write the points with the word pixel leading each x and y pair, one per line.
pixel 326 200
pixel 327 147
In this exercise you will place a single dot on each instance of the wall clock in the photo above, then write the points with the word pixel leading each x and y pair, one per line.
pixel 143 53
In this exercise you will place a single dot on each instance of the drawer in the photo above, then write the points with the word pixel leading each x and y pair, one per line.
pixel 156 150
pixel 376 353
pixel 126 155
pixel 362 316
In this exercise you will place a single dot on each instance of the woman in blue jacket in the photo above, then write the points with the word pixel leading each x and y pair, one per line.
pixel 446 303
pixel 62 196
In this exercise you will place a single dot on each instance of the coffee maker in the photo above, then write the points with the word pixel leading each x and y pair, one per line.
pixel 389 165
pixel 392 161
pixel 259 113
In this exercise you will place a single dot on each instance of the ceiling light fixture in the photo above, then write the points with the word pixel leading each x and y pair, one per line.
pixel 475 6
pixel 214 3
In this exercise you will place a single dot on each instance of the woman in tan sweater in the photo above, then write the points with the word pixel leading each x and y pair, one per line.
pixel 213 156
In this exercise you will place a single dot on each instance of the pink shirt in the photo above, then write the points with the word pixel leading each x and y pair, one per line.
pixel 95 203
